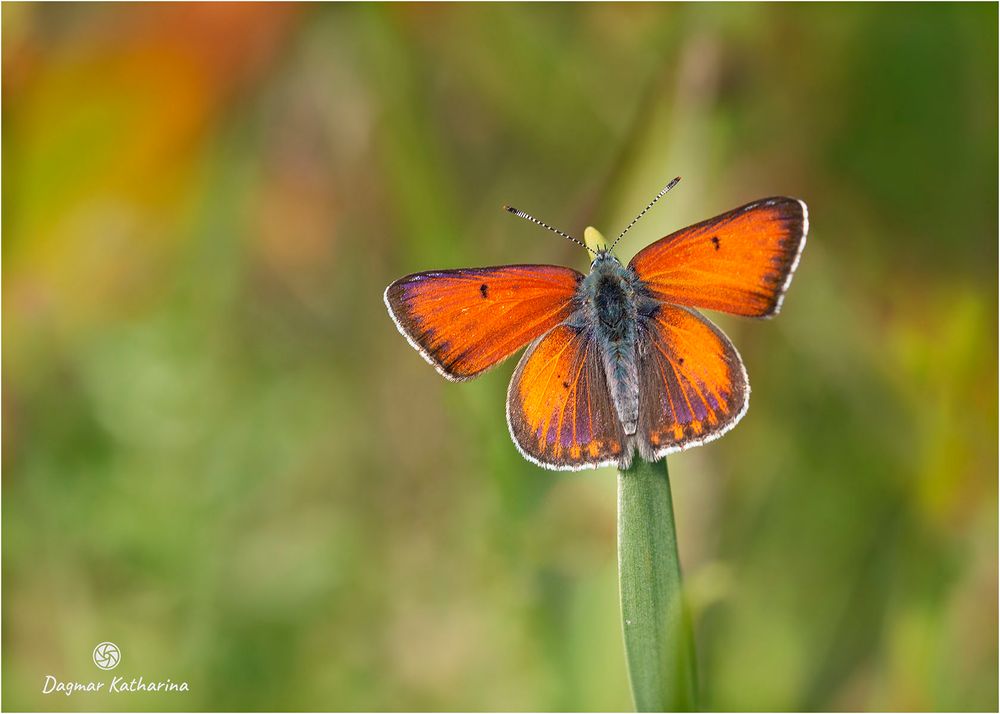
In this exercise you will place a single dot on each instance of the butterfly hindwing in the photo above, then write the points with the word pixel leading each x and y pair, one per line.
pixel 740 262
pixel 559 408
pixel 692 383
pixel 465 321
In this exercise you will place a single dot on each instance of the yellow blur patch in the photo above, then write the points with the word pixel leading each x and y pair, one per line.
pixel 594 239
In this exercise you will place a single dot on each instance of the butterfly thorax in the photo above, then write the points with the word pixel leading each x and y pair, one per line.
pixel 608 299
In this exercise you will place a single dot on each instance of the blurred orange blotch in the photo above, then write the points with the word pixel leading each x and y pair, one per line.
pixel 106 118
pixel 293 217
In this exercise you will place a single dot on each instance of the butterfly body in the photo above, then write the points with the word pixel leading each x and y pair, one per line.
pixel 609 299
pixel 617 361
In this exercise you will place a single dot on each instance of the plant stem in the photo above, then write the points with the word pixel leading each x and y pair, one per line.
pixel 659 646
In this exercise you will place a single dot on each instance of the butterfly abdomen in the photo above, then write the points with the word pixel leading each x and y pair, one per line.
pixel 609 310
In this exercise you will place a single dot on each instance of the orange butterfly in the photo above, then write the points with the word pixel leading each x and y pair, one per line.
pixel 618 360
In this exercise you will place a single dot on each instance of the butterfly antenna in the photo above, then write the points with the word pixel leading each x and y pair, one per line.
pixel 642 213
pixel 521 214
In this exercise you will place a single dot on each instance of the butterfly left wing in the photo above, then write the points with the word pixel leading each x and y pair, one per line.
pixel 559 408
pixel 465 321
pixel 692 384
pixel 740 262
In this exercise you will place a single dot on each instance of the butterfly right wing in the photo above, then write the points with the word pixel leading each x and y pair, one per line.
pixel 693 387
pixel 559 408
pixel 740 262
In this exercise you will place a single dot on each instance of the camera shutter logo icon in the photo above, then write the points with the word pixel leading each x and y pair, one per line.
pixel 107 655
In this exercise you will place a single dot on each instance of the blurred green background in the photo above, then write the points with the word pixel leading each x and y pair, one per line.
pixel 220 455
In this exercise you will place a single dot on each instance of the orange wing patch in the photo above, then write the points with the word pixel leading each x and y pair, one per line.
pixel 740 262
pixel 559 408
pixel 465 321
pixel 692 384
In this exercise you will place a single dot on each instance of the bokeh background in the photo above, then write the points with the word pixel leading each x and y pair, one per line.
pixel 219 454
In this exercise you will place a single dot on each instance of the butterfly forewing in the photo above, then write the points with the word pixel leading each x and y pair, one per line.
pixel 559 408
pixel 740 262
pixel 468 320
pixel 692 384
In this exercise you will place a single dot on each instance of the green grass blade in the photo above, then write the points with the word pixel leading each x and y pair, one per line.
pixel 659 646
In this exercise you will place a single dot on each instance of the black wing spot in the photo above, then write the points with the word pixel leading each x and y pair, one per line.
pixel 680 360
pixel 715 242
pixel 565 385
pixel 484 290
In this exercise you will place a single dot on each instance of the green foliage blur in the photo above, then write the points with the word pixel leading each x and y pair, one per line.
pixel 220 454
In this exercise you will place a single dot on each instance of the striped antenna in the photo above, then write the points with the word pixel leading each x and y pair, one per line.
pixel 642 213
pixel 522 214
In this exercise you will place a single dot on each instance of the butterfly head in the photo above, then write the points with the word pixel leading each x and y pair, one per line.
pixel 598 245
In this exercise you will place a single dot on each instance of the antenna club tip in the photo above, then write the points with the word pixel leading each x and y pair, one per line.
pixel 509 209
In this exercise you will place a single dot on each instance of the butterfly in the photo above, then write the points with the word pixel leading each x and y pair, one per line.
pixel 619 360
